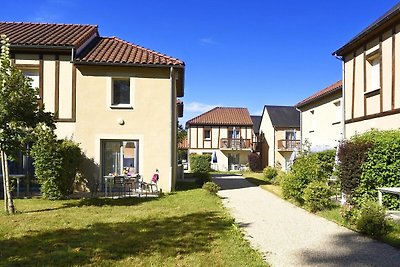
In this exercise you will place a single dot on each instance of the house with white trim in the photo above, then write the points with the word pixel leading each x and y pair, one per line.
pixel 118 100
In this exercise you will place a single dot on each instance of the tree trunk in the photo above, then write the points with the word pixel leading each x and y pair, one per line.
pixel 3 169
pixel 10 202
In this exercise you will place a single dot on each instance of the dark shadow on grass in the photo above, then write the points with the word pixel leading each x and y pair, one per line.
pixel 99 202
pixel 186 186
pixel 352 249
pixel 105 242
pixel 256 181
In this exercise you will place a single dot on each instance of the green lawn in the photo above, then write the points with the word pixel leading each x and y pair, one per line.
pixel 186 228
pixel 393 238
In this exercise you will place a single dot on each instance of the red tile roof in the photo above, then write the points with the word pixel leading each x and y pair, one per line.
pixel 184 144
pixel 112 50
pixel 46 34
pixel 223 116
pixel 328 90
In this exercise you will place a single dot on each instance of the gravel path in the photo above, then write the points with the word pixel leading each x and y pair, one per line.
pixel 290 236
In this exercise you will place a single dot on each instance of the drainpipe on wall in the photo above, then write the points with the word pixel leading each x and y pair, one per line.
pixel 343 97
pixel 173 135
pixel 344 102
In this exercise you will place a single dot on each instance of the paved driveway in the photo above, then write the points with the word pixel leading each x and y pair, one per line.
pixel 290 236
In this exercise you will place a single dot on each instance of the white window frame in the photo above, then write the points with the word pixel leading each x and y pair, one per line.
pixel 35 81
pixel 204 134
pixel 110 93
pixel 338 111
pixel 374 71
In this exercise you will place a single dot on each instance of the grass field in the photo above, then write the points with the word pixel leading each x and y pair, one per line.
pixel 186 228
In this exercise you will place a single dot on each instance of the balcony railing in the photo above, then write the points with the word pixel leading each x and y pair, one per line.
pixel 235 143
pixel 288 145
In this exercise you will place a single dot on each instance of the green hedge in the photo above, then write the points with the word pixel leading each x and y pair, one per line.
pixel 56 164
pixel 200 163
pixel 381 167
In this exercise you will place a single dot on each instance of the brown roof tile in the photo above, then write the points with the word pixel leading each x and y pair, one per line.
pixel 223 116
pixel 112 50
pixel 46 34
pixel 330 89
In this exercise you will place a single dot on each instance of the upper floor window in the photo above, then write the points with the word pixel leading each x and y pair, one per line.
pixel 207 134
pixel 234 133
pixel 374 73
pixel 34 75
pixel 313 121
pixel 338 112
pixel 120 92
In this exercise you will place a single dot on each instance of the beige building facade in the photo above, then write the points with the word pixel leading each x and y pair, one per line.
pixel 371 77
pixel 279 136
pixel 224 133
pixel 116 99
pixel 321 118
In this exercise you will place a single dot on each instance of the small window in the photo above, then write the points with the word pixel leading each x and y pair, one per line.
pixel 34 75
pixel 313 121
pixel 374 77
pixel 120 92
pixel 338 111
pixel 207 134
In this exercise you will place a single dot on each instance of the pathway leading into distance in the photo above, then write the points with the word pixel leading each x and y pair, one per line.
pixel 290 236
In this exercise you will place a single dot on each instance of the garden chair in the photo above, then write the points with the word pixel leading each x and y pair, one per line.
pixel 119 185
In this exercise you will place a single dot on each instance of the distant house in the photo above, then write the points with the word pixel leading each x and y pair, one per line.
pixel 224 132
pixel 280 135
pixel 115 98
pixel 256 129
pixel 321 118
pixel 371 62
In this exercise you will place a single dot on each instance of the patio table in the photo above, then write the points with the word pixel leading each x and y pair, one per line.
pixel 390 190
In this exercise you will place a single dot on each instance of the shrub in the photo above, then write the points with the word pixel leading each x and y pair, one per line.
pixel 292 188
pixel 352 155
pixel 270 173
pixel 348 213
pixel 317 196
pixel 200 163
pixel 254 161
pixel 306 169
pixel 372 219
pixel 277 180
pixel 56 163
pixel 211 187
pixel 381 167
pixel 202 177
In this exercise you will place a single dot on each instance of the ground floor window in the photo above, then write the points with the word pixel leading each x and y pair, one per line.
pixel 120 157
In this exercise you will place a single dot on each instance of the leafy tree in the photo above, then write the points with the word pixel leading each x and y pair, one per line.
pixel 19 114
pixel 182 133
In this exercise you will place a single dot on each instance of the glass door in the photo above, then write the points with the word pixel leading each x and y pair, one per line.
pixel 120 157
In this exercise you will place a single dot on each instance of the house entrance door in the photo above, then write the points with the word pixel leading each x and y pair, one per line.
pixel 233 162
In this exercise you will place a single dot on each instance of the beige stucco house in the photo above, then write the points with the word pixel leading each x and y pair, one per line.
pixel 116 99
pixel 223 131
pixel 279 135
pixel 371 77
pixel 321 118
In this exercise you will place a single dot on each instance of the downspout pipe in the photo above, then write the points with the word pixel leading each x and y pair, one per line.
pixel 343 97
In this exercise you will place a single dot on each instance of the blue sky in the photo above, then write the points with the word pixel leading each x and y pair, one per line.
pixel 237 53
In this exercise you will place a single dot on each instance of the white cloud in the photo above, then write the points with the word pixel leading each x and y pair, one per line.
pixel 51 11
pixel 196 107
pixel 208 41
